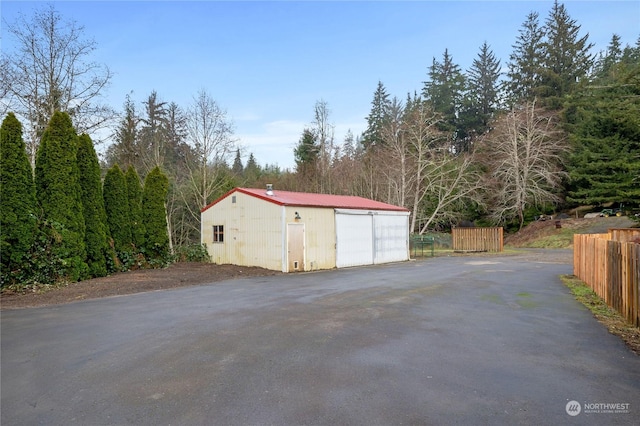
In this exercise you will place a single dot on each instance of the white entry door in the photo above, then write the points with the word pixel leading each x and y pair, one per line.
pixel 295 247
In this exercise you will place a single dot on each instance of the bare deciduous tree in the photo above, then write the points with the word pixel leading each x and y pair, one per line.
pixel 443 183
pixel 323 130
pixel 525 153
pixel 424 139
pixel 49 71
pixel 399 173
pixel 450 183
pixel 210 136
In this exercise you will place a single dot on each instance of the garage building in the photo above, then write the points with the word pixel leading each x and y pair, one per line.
pixel 296 231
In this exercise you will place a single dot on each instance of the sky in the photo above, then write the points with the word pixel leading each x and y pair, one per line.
pixel 267 63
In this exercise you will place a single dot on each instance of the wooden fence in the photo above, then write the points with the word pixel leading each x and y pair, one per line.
pixel 610 264
pixel 477 239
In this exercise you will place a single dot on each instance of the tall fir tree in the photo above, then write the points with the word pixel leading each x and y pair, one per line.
pixel 306 154
pixel 376 119
pixel 176 133
pixel 525 62
pixel 609 58
pixel 567 60
pixel 631 54
pixel 482 98
pixel 604 122
pixel 134 196
pixel 444 91
pixel 92 207
pixel 126 150
pixel 154 215
pixel 154 138
pixel 116 204
pixel 59 194
pixel 252 169
pixel 18 197
pixel 237 167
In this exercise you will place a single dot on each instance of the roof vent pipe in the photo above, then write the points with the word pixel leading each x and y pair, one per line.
pixel 270 190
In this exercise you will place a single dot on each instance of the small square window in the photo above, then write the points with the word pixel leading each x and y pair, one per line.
pixel 218 233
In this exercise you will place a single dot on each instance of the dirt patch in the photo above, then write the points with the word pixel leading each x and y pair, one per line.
pixel 181 274
pixel 547 234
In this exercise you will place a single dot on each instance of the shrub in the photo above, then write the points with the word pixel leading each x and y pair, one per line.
pixel 93 207
pixel 58 193
pixel 192 253
pixel 18 195
pixel 154 216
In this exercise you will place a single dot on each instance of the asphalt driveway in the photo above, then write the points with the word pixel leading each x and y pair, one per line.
pixel 460 340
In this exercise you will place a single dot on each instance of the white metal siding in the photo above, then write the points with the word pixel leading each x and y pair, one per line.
pixel 320 239
pixel 252 232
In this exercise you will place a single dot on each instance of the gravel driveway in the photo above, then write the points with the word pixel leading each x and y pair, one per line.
pixel 459 340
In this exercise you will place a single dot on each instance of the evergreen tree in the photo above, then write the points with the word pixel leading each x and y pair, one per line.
pixel 376 119
pixel 631 54
pixel 154 215
pixel 444 90
pixel 252 170
pixel 609 58
pixel 525 62
pixel 58 192
pixel 604 121
pixel 306 153
pixel 567 60
pixel 237 167
pixel 18 196
pixel 153 133
pixel 482 100
pixel 176 134
pixel 125 150
pixel 134 196
pixel 93 207
pixel 116 204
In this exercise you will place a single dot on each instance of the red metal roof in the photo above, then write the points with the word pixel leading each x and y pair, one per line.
pixel 305 199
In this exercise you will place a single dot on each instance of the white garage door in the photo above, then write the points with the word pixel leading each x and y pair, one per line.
pixel 391 237
pixel 354 238
pixel 365 237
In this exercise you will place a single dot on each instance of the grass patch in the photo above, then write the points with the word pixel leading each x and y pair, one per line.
pixel 525 300
pixel 563 238
pixel 494 298
pixel 607 316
